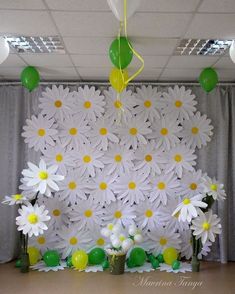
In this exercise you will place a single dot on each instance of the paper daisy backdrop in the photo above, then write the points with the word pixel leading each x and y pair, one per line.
pixel 124 161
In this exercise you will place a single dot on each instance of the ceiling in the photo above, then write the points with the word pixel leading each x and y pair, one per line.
pixel 87 28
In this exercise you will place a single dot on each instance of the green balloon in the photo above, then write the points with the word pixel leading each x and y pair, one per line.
pixel 175 264
pixel 137 256
pixel 105 264
pixel 160 258
pixel 51 258
pixel 96 256
pixel 69 261
pixel 151 257
pixel 208 79
pixel 155 263
pixel 119 49
pixel 129 263
pixel 30 78
pixel 18 263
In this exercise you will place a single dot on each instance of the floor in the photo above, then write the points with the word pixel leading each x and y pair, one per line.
pixel 213 278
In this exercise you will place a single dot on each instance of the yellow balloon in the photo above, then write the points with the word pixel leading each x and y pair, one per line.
pixel 118 78
pixel 170 255
pixel 34 255
pixel 80 259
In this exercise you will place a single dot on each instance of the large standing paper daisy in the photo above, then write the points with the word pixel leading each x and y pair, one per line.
pixel 118 159
pixel 133 132
pixel 57 102
pixel 44 242
pixel 191 183
pixel 89 160
pixel 164 186
pixel 102 188
pixel 180 103
pixel 132 187
pixel 196 131
pixel 90 103
pixel 213 188
pixel 102 133
pixel 72 239
pixel 149 159
pixel 15 199
pixel 86 214
pixel 74 132
pixel 179 159
pixel 165 131
pixel 73 187
pixel 39 132
pixel 150 103
pixel 118 212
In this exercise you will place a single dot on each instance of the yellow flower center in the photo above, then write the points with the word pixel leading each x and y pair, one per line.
pixel 17 197
pixel 58 103
pixel 86 159
pixel 148 213
pixel 88 213
pixel 178 158
pixel 118 104
pixel 186 201
pixel 195 130
pixel 41 240
pixel 43 175
pixel 110 227
pixel 118 158
pixel 103 186
pixel 41 132
pixel 178 103
pixel 118 214
pixel 193 186
pixel 163 241
pixel 214 187
pixel 72 185
pixel 103 131
pixel 100 242
pixel 59 157
pixel 133 131
pixel 164 131
pixel 206 226
pixel 32 218
pixel 161 185
pixel 73 241
pixel 73 131
pixel 56 212
pixel 122 238
pixel 132 185
pixel 147 103
pixel 87 104
pixel 148 158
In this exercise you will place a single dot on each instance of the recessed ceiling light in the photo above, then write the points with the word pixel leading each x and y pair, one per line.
pixel 24 44
pixel 202 47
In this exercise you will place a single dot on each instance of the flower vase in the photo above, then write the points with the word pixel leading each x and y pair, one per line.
pixel 197 246
pixel 24 263
pixel 195 264
pixel 117 264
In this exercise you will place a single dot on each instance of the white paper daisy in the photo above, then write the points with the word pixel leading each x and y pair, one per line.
pixel 102 188
pixel 191 183
pixel 179 159
pixel 206 248
pixel 74 187
pixel 213 188
pixel 186 244
pixel 98 240
pixel 15 199
pixel 197 131
pixel 72 239
pixel 184 267
pixel 165 131
pixel 26 191
pixel 119 107
pixel 44 242
pixel 164 187
pixel 102 133
pixel 118 212
pixel 206 226
pixel 133 132
pixel 86 214
pixel 59 155
pixel 149 159
pixel 42 267
pixel 57 102
pixel 93 269
pixel 73 132
pixel 89 160
pixel 39 132
pixel 41 178
pixel 118 159
pixel 31 219
pixel 180 103
pixel 132 187
pixel 90 103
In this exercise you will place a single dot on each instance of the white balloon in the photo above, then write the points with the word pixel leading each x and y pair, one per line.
pixel 232 51
pixel 117 7
pixel 4 49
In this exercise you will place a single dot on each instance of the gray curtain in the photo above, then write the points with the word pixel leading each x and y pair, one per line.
pixel 217 159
